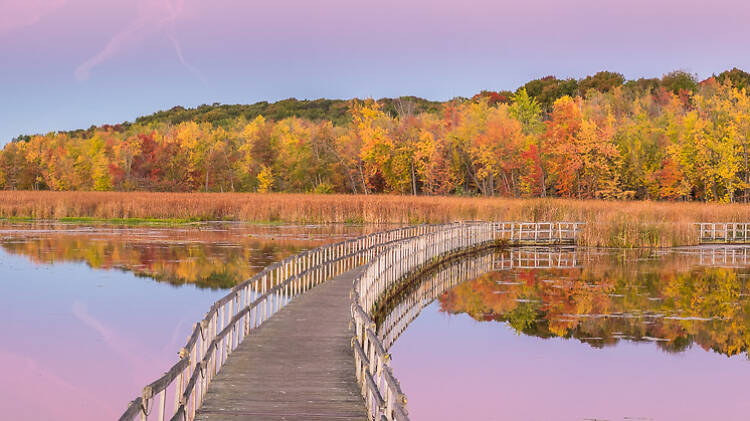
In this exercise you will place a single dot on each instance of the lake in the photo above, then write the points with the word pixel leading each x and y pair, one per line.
pixel 94 313
pixel 580 335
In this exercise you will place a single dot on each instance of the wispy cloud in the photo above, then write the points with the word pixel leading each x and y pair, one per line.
pixel 16 14
pixel 154 16
pixel 119 345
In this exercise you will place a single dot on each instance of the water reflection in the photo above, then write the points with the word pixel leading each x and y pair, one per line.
pixel 602 312
pixel 85 324
pixel 612 297
pixel 217 255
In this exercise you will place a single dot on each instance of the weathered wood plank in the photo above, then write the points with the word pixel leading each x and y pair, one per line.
pixel 298 365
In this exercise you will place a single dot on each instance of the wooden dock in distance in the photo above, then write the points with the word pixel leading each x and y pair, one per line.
pixel 538 233
pixel 296 366
pixel 723 233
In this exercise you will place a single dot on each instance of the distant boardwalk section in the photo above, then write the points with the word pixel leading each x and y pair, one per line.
pixel 723 233
pixel 537 233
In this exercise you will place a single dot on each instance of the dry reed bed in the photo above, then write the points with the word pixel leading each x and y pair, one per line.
pixel 610 224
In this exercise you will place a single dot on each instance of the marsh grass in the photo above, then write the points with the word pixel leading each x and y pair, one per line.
pixel 609 224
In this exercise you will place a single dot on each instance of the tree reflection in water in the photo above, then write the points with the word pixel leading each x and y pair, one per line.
pixel 216 256
pixel 674 298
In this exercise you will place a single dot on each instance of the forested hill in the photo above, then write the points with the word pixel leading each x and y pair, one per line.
pixel 668 138
pixel 544 90
pixel 334 110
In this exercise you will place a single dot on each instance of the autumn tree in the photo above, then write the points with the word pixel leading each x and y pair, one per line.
pixel 583 157
pixel 548 89
pixel 372 127
pixel 679 81
pixel 738 78
pixel 601 81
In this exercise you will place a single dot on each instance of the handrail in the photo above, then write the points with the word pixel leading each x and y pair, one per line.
pixel 395 316
pixel 403 259
pixel 723 232
pixel 231 318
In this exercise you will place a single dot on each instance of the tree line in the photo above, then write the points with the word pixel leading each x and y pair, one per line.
pixel 671 138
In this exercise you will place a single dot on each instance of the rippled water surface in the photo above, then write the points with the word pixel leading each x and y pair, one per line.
pixel 580 335
pixel 93 313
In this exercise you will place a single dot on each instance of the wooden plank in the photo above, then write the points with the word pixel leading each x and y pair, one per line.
pixel 298 365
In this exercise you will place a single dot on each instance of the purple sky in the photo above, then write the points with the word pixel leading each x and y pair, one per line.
pixel 67 64
pixel 496 374
pixel 87 340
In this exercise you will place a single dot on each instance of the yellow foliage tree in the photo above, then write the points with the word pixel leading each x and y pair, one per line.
pixel 265 180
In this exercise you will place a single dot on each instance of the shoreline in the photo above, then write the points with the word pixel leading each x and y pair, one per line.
pixel 616 224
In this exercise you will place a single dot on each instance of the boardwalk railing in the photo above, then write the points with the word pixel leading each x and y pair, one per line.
pixel 727 256
pixel 405 308
pixel 533 258
pixel 178 393
pixel 724 232
pixel 538 233
pixel 382 393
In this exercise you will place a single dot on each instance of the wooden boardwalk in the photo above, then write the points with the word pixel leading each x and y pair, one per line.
pixel 298 365
pixel 723 233
pixel 279 346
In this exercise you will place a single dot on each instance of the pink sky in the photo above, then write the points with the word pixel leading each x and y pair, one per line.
pixel 453 367
pixel 71 63
pixel 86 341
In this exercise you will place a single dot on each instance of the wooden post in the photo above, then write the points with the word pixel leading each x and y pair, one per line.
pixel 178 391
pixel 162 403
pixel 713 232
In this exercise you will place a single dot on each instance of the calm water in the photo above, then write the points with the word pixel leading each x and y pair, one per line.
pixel 611 336
pixel 92 314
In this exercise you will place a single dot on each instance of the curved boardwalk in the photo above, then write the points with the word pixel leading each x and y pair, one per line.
pixel 279 345
pixel 298 365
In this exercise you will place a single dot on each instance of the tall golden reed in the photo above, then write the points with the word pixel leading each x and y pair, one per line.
pixel 609 224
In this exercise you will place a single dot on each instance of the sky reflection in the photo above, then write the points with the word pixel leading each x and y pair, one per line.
pixel 453 367
pixel 655 336
pixel 86 324
pixel 79 342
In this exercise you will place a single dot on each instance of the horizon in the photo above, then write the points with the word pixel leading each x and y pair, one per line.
pixel 443 100
pixel 76 63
